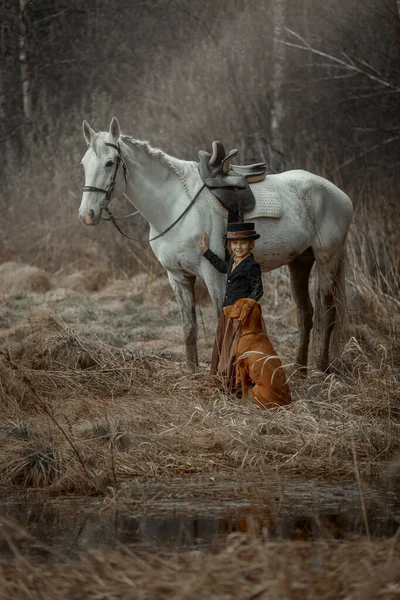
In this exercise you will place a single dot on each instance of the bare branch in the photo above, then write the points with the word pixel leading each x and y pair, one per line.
pixel 353 159
pixel 347 63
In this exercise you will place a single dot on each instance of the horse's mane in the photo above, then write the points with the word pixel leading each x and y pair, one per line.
pixel 178 166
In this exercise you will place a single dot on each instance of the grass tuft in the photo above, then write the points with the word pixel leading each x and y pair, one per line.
pixel 113 433
pixel 34 465
pixel 19 429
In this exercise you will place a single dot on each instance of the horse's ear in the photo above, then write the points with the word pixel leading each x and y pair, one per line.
pixel 88 132
pixel 115 129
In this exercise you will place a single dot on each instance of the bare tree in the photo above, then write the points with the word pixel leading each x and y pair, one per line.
pixel 277 114
pixel 2 93
pixel 3 85
pixel 25 61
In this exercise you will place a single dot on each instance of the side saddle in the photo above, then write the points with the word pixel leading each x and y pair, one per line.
pixel 228 182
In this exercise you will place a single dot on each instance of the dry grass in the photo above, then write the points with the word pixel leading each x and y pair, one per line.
pixel 246 567
pixel 80 414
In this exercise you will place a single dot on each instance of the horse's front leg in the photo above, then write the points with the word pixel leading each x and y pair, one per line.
pixel 215 283
pixel 183 288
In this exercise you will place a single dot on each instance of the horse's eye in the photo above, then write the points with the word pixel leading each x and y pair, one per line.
pixel 109 163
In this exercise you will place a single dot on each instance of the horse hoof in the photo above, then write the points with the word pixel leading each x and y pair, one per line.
pixel 301 370
pixel 327 368
pixel 335 367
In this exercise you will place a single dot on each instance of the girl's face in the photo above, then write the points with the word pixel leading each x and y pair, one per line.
pixel 241 248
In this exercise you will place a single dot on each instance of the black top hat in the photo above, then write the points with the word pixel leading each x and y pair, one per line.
pixel 241 231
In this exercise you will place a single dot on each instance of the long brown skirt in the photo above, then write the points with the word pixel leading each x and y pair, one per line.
pixel 223 368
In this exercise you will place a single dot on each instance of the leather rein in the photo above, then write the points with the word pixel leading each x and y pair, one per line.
pixel 109 190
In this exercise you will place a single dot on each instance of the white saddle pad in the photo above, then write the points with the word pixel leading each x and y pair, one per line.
pixel 268 201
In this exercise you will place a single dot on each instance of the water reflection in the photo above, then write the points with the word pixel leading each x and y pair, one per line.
pixel 64 531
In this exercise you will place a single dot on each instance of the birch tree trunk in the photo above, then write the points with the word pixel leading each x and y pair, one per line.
pixel 25 62
pixel 277 114
pixel 2 93
pixel 2 66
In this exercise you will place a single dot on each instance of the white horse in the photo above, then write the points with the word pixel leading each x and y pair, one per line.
pixel 313 228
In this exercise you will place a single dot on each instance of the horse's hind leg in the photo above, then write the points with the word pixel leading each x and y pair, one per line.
pixel 330 295
pixel 300 269
pixel 183 288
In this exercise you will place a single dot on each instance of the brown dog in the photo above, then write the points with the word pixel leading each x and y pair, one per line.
pixel 256 358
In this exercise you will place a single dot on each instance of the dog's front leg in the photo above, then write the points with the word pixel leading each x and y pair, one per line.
pixel 238 382
pixel 244 378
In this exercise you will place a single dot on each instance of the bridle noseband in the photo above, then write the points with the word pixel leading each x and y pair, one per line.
pixel 109 190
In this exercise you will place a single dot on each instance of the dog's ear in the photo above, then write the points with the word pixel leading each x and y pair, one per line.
pixel 245 311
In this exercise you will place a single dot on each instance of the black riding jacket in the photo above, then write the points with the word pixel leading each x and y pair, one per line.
pixel 243 282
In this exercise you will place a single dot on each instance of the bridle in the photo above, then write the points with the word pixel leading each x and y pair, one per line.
pixel 109 190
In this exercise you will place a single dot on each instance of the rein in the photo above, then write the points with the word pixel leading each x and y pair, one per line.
pixel 108 192
pixel 117 227
pixel 132 214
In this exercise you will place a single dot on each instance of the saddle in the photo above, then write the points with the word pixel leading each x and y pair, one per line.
pixel 230 183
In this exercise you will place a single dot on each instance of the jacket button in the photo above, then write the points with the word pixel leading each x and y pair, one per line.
pixel 229 280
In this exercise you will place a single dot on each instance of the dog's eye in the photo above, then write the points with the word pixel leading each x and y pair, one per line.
pixel 109 163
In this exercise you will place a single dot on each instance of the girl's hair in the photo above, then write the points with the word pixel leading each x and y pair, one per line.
pixel 250 247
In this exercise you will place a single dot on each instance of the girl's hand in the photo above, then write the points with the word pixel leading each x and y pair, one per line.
pixel 204 243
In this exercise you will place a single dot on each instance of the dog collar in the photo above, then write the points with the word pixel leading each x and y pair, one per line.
pixel 252 332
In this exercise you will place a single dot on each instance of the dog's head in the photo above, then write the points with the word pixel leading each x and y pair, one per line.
pixel 241 309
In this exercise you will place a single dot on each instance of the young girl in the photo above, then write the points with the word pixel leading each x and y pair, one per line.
pixel 243 281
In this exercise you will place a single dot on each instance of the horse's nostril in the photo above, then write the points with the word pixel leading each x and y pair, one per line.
pixel 88 217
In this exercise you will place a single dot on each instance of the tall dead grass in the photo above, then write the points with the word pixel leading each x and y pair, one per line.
pixel 245 567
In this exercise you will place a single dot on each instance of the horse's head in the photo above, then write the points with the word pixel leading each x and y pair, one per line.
pixel 104 171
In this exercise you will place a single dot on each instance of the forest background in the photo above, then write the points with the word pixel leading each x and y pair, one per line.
pixel 300 84
pixel 95 402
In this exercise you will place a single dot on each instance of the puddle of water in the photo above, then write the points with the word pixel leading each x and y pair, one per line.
pixel 173 519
